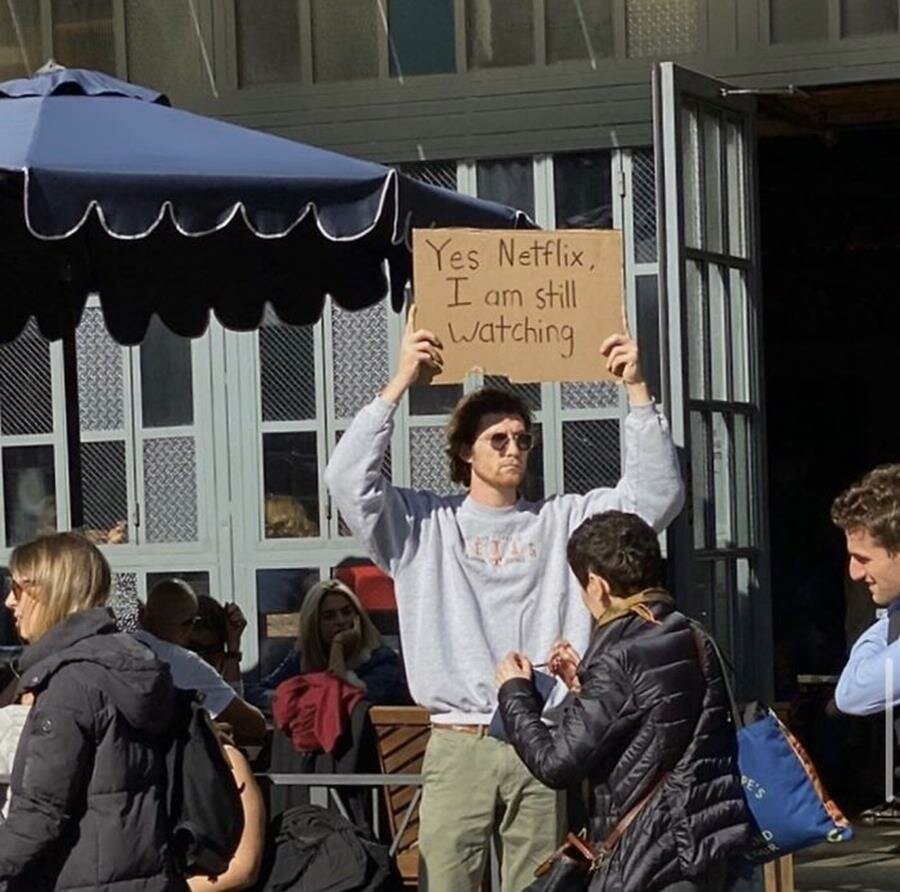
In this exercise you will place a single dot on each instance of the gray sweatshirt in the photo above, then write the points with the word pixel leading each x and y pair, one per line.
pixel 473 582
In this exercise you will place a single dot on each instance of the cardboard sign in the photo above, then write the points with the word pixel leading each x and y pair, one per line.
pixel 530 305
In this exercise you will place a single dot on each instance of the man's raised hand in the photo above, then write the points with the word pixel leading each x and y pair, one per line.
pixel 420 352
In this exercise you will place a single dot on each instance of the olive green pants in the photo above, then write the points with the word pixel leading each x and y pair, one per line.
pixel 476 786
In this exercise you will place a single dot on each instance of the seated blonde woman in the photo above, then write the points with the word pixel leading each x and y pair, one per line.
pixel 337 635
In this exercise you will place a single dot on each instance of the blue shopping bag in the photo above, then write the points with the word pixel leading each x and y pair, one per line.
pixel 791 809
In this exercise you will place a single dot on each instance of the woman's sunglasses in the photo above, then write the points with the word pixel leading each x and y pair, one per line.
pixel 499 442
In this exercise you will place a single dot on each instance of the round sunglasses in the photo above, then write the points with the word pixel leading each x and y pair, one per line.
pixel 499 441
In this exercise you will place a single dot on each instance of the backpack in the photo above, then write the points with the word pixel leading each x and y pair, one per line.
pixel 311 849
pixel 203 804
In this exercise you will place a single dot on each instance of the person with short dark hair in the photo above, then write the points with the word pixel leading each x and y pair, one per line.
pixel 869 515
pixel 479 573
pixel 167 624
pixel 647 722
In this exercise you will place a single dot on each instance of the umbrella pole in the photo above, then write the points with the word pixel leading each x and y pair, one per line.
pixel 73 423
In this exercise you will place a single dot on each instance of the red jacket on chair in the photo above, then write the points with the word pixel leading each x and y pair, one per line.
pixel 313 709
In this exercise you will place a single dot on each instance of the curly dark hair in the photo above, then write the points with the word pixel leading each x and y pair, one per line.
pixel 619 547
pixel 467 416
pixel 872 505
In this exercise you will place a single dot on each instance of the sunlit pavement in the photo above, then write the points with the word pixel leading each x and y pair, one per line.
pixel 870 863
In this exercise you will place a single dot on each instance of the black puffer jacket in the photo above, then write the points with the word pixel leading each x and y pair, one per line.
pixel 88 782
pixel 645 709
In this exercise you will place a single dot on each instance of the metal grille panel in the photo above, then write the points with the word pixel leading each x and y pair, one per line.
pixel 170 490
pixel 662 28
pixel 591 454
pixel 360 349
pixel 428 464
pixel 287 372
pixel 26 396
pixel 437 173
pixel 100 375
pixel 643 187
pixel 530 393
pixel 123 601
pixel 104 482
pixel 590 395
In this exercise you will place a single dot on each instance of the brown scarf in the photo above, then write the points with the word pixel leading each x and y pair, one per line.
pixel 637 604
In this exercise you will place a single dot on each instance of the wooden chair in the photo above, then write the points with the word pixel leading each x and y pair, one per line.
pixel 778 876
pixel 403 733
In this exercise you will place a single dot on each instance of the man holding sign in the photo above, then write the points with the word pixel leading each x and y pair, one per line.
pixel 478 575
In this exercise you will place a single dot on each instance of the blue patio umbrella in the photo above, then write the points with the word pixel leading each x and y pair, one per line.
pixel 105 188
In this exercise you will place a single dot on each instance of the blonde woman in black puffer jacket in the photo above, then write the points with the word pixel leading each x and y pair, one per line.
pixel 88 781
pixel 647 723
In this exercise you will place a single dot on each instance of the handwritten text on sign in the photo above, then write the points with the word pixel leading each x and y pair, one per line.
pixel 533 306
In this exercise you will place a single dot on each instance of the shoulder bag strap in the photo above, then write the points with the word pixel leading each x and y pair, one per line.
pixel 702 637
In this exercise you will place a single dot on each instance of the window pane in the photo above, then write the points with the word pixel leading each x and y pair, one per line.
pixel 83 34
pixel 589 394
pixel 582 187
pixel 345 39
pixel 279 594
pixel 868 17
pixel 700 478
pixel 690 148
pixel 722 480
pixel 530 393
pixel 662 28
pixel 20 58
pixel 499 33
pixel 723 607
pixel 579 29
pixel 737 193
pixel 163 49
pixel 743 473
pixel 104 485
pixel 422 37
pixel 26 399
pixel 291 481
pixel 740 337
pixel 591 454
pixel 287 372
pixel 696 330
pixel 170 490
pixel 29 492
pixel 268 45
pixel 712 183
pixel 429 467
pixel 434 399
pixel 509 181
pixel 643 187
pixel 718 335
pixel 359 341
pixel 167 393
pixel 647 295
pixel 795 20
pixel 124 602
pixel 198 580
pixel 101 375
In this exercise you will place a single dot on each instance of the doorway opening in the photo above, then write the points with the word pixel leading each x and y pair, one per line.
pixel 830 236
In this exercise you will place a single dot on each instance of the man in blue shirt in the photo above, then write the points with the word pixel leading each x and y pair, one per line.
pixel 869 515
